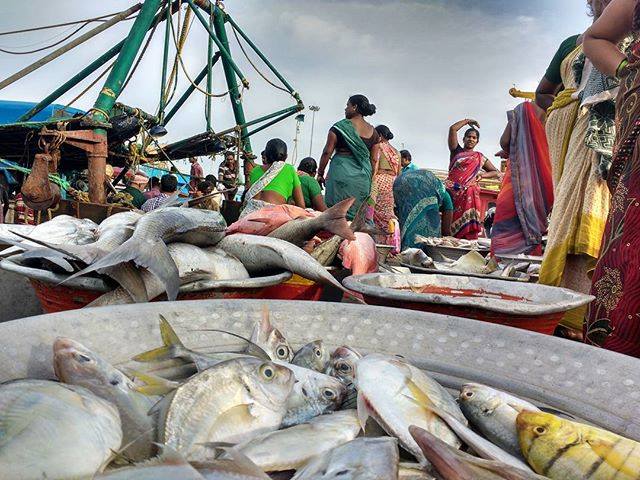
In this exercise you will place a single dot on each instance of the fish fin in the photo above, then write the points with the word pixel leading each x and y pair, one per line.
pixel 557 413
pixel 130 279
pixel 150 254
pixel 253 349
pixel 154 385
pixel 445 458
pixel 172 200
pixel 335 219
pixel 172 345
pixel 363 410
pixel 67 250
pixel 53 257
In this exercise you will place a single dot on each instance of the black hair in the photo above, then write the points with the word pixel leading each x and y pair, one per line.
pixel 203 186
pixel 405 154
pixel 384 132
pixel 471 130
pixel 154 182
pixel 263 154
pixel 275 151
pixel 308 165
pixel 211 179
pixel 229 153
pixel 362 105
pixel 168 183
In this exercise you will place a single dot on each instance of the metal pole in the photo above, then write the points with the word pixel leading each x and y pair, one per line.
pixel 84 73
pixel 314 109
pixel 272 122
pixel 208 100
pixel 112 89
pixel 190 89
pixel 236 104
pixel 165 61
pixel 69 46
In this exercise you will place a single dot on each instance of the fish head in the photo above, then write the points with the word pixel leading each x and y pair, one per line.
pixel 544 431
pixel 323 390
pixel 75 364
pixel 268 384
pixel 342 364
pixel 313 355
pixel 480 399
pixel 271 340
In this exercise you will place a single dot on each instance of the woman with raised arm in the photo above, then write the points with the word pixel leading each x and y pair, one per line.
pixel 466 168
pixel 613 319
pixel 349 144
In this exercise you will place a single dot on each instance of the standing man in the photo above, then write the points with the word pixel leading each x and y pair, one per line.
pixel 228 175
pixel 405 162
pixel 196 174
pixel 168 186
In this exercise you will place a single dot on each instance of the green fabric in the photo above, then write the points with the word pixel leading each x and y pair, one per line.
pixel 137 195
pixel 284 183
pixel 349 175
pixel 566 47
pixel 447 203
pixel 310 189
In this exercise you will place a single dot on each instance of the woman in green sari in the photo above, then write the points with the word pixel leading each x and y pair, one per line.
pixel 348 146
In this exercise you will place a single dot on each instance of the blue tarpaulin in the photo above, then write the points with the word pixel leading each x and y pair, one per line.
pixel 11 110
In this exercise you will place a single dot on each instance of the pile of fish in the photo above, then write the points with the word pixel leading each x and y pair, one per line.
pixel 158 252
pixel 479 244
pixel 269 412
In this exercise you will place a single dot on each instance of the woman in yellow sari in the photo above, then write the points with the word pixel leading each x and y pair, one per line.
pixel 582 198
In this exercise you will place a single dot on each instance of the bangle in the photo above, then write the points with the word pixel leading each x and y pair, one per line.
pixel 622 65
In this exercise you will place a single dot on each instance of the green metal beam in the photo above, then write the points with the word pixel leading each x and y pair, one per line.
pixel 208 100
pixel 165 60
pixel 190 89
pixel 272 122
pixel 84 73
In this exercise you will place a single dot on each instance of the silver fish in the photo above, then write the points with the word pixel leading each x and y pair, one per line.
pixel 332 220
pixel 194 263
pixel 326 252
pixel 231 465
pixel 75 364
pixel 168 466
pixel 266 336
pixel 313 356
pixel 55 431
pixel 342 365
pixel 230 402
pixel 453 464
pixel 259 254
pixel 62 229
pixel 494 414
pixel 148 246
pixel 313 394
pixel 359 459
pixel 293 447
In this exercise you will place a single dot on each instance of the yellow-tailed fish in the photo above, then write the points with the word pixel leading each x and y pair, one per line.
pixel 567 450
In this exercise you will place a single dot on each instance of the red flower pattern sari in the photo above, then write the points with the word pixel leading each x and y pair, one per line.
pixel 465 193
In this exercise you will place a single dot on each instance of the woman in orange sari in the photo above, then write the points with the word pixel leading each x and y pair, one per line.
pixel 386 168
pixel 466 168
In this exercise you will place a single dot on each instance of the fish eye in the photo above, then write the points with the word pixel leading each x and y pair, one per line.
pixel 317 352
pixel 329 394
pixel 540 430
pixel 282 352
pixel 468 394
pixel 267 372
pixel 114 381
pixel 82 358
pixel 343 367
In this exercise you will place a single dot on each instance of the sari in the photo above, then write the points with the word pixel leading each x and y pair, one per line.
pixel 465 193
pixel 253 205
pixel 382 193
pixel 613 319
pixel 526 196
pixel 418 196
pixel 349 175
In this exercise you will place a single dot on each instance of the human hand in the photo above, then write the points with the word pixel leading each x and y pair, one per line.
pixel 310 245
pixel 321 180
pixel 502 154
pixel 473 123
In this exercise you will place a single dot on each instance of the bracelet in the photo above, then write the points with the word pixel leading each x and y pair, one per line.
pixel 622 65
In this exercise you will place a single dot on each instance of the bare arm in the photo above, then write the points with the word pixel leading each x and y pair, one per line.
pixel 447 218
pixel 546 93
pixel 490 171
pixel 318 204
pixel 453 131
pixel 375 158
pixel 327 151
pixel 600 41
pixel 505 140
pixel 298 198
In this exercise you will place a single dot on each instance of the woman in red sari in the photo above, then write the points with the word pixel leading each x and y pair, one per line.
pixel 613 319
pixel 386 168
pixel 466 168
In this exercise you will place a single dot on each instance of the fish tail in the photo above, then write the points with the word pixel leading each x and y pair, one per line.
pixel 172 345
pixel 131 280
pixel 150 254
pixel 443 457
pixel 154 385
pixel 334 219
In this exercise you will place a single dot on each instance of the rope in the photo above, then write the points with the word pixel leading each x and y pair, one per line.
pixel 142 52
pixel 86 20
pixel 173 76
pixel 11 52
pixel 235 33
pixel 89 86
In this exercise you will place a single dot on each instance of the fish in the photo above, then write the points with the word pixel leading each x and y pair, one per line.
pixel 270 339
pixel 494 414
pixel 168 466
pixel 332 220
pixel 194 264
pixel 563 449
pixel 326 252
pixel 75 364
pixel 413 471
pixel 359 459
pixel 147 247
pixel 293 447
pixel 231 465
pixel 342 365
pixel 387 387
pixel 313 394
pixel 454 464
pixel 313 356
pixel 232 401
pixel 55 431
pixel 63 229
pixel 260 254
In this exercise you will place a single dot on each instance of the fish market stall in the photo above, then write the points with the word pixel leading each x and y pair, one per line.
pixel 533 307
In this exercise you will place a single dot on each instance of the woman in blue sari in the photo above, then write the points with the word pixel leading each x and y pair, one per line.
pixel 419 197
pixel 350 141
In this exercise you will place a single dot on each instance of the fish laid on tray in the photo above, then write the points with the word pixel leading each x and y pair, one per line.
pixel 266 411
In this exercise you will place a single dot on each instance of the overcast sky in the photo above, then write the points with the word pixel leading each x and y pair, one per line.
pixel 424 63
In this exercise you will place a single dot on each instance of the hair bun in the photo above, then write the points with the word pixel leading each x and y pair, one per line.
pixel 390 136
pixel 372 109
